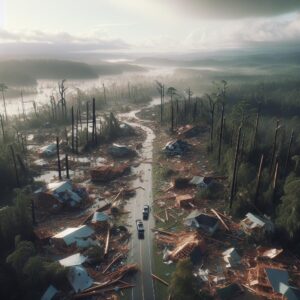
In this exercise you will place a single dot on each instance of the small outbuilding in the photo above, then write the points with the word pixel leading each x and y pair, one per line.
pixel 202 221
pixel 256 225
pixel 231 257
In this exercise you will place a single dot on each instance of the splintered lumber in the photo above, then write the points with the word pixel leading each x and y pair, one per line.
pixel 165 232
pixel 167 217
pixel 159 279
pixel 220 218
pixel 159 218
pixel 97 293
pixel 113 261
pixel 113 277
pixel 107 241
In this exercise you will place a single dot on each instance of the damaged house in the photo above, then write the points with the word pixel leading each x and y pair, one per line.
pixel 202 221
pixel 257 226
pixel 82 237
pixel 57 195
pixel 48 150
pixel 269 282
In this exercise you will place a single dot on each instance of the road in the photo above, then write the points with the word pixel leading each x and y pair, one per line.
pixel 141 249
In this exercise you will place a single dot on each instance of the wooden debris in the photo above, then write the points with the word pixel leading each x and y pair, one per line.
pixel 159 279
pixel 221 220
pixel 113 261
pixel 107 241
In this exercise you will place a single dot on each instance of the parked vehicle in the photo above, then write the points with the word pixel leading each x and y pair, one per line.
pixel 146 211
pixel 140 228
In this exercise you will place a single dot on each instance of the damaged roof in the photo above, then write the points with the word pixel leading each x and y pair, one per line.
pixel 277 277
pixel 49 293
pixel 73 260
pixel 72 234
pixel 79 278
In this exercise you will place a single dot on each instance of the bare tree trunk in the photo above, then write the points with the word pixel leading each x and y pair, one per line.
pixel 288 153
pixel 15 165
pixel 72 116
pixel 258 179
pixel 67 166
pixel 221 135
pixel 2 127
pixel 235 167
pixel 87 122
pixel 274 146
pixel 94 122
pixel 4 104
pixel 58 158
pixel 104 93
pixel 255 130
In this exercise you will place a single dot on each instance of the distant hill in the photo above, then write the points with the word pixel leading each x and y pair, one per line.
pixel 26 72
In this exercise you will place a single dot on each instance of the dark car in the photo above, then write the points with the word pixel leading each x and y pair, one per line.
pixel 140 228
pixel 146 211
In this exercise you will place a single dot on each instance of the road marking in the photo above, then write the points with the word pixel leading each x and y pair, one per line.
pixel 143 292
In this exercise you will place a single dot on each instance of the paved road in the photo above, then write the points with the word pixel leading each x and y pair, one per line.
pixel 141 250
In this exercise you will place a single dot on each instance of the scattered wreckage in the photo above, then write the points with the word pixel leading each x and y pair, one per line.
pixel 177 147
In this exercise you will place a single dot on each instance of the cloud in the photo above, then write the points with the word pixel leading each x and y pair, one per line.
pixel 242 33
pixel 62 44
pixel 232 9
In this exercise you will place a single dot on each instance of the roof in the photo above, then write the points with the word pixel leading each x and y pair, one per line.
pixel 73 260
pixel 291 293
pixel 49 293
pixel 207 220
pixel 71 234
pixel 48 148
pixel 59 186
pixel 231 257
pixel 195 213
pixel 276 277
pixel 99 217
pixel 256 220
pixel 79 278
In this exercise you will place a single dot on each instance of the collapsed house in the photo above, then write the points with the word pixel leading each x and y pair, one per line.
pixel 257 226
pixel 202 221
pixel 189 131
pixel 126 130
pixel 177 147
pixel 81 236
pixel 48 150
pixel 201 182
pixel 231 257
pixel 268 281
pixel 183 245
pixel 107 173
pixel 119 151
pixel 57 195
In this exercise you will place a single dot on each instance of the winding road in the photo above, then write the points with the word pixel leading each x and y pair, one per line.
pixel 141 249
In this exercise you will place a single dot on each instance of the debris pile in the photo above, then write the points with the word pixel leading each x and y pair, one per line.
pixel 119 151
pixel 183 244
pixel 177 147
pixel 107 173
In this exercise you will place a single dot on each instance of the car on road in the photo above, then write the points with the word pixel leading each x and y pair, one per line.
pixel 146 211
pixel 140 228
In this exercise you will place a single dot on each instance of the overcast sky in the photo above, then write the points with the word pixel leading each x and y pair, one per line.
pixel 148 25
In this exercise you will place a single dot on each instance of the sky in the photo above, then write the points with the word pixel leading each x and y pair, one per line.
pixel 146 25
